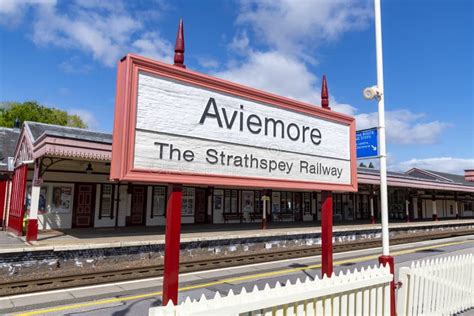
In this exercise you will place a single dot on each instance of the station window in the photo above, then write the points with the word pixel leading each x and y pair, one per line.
pixel 187 202
pixel 248 201
pixel 158 206
pixel 258 205
pixel 286 199
pixel 275 202
pixel 106 201
pixel 307 203
pixel 231 201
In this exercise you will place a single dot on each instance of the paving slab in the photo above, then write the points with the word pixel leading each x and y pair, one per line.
pixel 40 299
pixel 6 303
pixel 94 291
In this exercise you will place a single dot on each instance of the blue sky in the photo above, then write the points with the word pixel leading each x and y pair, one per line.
pixel 64 54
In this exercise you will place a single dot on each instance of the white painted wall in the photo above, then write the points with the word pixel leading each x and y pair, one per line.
pixel 50 220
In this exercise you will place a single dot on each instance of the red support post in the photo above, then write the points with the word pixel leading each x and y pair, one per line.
pixel 3 199
pixel 389 260
pixel 32 230
pixel 172 245
pixel 326 233
pixel 173 209
pixel 326 205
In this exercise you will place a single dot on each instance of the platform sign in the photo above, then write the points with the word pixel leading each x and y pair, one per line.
pixel 367 143
pixel 174 125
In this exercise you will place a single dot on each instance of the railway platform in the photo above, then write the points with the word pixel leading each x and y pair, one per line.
pixel 128 253
pixel 98 238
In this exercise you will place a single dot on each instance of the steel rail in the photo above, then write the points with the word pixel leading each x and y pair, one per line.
pixel 70 281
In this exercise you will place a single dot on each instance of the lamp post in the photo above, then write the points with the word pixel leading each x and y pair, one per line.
pixel 377 92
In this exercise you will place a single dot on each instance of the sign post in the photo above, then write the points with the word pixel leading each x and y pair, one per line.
pixel 385 258
pixel 172 245
pixel 173 211
pixel 326 207
pixel 178 127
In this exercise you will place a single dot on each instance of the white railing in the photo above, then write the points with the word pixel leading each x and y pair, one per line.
pixel 365 292
pixel 442 286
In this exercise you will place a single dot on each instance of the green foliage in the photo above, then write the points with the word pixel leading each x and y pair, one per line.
pixel 32 111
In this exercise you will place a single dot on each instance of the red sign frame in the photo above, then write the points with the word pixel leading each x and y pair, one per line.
pixel 123 146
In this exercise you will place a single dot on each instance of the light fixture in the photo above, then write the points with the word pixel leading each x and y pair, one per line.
pixel 89 168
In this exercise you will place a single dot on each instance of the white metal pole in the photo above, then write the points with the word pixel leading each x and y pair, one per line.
pixel 381 110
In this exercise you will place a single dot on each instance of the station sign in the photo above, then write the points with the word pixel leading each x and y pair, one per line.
pixel 367 143
pixel 174 125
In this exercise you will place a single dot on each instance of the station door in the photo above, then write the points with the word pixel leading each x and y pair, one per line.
pixel 138 207
pixel 85 204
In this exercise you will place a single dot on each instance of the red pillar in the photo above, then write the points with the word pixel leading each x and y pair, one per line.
pixel 389 260
pixel 326 233
pixel 17 200
pixel 172 245
pixel 3 199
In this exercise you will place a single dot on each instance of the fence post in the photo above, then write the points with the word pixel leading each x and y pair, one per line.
pixel 403 294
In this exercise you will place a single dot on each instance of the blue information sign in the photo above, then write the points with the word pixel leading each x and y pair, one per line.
pixel 366 143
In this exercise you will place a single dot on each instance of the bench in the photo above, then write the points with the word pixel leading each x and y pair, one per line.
pixel 255 215
pixel 282 216
pixel 232 216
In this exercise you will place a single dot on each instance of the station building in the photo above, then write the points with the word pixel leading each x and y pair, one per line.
pixel 74 167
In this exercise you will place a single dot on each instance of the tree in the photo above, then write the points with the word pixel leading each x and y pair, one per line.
pixel 32 111
pixel 371 165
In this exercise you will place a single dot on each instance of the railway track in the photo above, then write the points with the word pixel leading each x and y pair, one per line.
pixel 53 283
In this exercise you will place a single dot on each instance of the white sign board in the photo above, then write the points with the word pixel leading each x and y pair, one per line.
pixel 185 128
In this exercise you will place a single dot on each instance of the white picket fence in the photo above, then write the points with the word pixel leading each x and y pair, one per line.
pixel 442 286
pixel 365 292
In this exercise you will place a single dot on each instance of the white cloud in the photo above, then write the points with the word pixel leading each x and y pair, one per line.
pixel 295 26
pixel 290 28
pixel 103 29
pixel 88 117
pixel 104 35
pixel 274 72
pixel 12 11
pixel 152 45
pixel 281 74
pixel 75 65
pixel 441 164
pixel 240 44
pixel 207 62
pixel 404 127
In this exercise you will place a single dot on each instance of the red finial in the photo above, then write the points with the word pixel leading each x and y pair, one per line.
pixel 324 94
pixel 179 48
